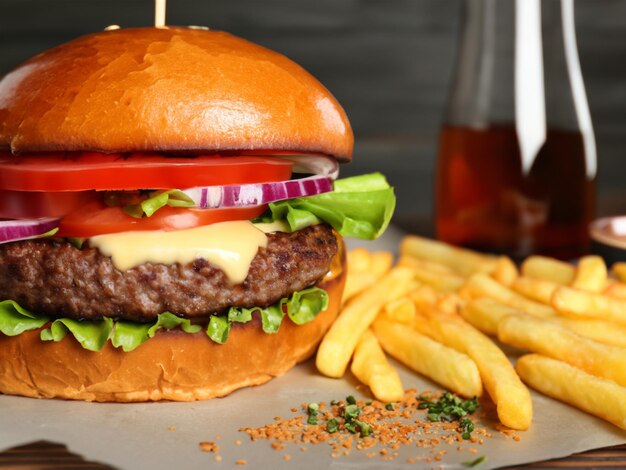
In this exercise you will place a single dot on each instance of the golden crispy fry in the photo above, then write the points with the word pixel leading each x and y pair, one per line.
pixel 412 262
pixel 511 397
pixel 505 271
pixel 359 259
pixel 482 285
pixel 559 380
pixel 599 330
pixel 550 269
pixel 454 370
pixel 619 269
pixel 550 339
pixel 580 303
pixel 591 274
pixel 435 275
pixel 615 289
pixel 371 367
pixel 485 314
pixel 338 345
pixel 401 310
pixel 535 289
pixel 462 261
pixel 364 269
pixel 423 295
pixel 450 303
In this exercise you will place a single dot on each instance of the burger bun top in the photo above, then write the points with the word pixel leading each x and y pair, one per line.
pixel 170 90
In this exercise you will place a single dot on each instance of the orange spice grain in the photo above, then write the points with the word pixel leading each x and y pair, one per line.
pixel 241 462
pixel 218 458
pixel 207 446
pixel 238 442
pixel 517 438
pixel 294 410
pixel 286 457
pixel 171 428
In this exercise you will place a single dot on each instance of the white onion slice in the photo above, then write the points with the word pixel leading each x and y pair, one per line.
pixel 325 170
pixel 13 230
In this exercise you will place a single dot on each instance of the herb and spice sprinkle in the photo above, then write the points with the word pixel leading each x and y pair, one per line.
pixel 426 421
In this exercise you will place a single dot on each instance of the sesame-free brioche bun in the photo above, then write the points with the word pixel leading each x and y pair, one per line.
pixel 173 365
pixel 168 89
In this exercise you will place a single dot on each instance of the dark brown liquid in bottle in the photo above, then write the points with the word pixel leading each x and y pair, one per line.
pixel 485 201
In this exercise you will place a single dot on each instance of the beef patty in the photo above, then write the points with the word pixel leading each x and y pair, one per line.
pixel 60 280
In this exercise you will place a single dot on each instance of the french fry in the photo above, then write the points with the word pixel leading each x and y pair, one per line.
pixel 482 285
pixel 549 269
pixel 364 269
pixel 412 262
pixel 511 397
pixel 485 314
pixel 550 339
pixel 597 396
pixel 359 259
pixel 505 271
pixel 450 303
pixel 580 303
pixel 423 295
pixel 460 260
pixel 339 342
pixel 450 368
pixel 371 367
pixel 437 276
pixel 599 330
pixel 615 289
pixel 401 310
pixel 540 290
pixel 619 269
pixel 591 274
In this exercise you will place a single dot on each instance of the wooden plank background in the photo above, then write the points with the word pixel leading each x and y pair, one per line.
pixel 388 61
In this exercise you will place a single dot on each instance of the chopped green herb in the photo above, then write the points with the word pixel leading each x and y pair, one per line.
pixel 351 412
pixel 332 425
pixel 450 408
pixel 334 403
pixel 364 428
pixel 466 427
pixel 476 461
pixel 368 402
pixel 389 406
pixel 350 426
pixel 312 409
pixel 351 400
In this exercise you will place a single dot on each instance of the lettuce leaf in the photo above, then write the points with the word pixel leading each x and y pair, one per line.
pixel 92 335
pixel 301 307
pixel 129 335
pixel 158 199
pixel 15 320
pixel 360 206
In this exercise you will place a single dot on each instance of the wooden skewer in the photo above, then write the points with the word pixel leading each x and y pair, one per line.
pixel 159 13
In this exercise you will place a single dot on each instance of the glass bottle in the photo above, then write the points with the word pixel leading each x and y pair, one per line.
pixel 517 159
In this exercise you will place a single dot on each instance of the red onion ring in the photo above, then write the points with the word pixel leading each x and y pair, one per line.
pixel 13 230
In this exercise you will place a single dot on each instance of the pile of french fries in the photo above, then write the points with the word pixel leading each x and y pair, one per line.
pixel 437 308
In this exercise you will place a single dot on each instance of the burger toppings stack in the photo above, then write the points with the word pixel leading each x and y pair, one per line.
pixel 172 220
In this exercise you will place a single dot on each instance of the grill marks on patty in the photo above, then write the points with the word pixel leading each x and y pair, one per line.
pixel 59 280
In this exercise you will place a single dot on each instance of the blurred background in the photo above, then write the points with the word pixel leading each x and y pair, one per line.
pixel 389 62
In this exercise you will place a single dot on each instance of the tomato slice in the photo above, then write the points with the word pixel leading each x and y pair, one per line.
pixel 99 171
pixel 33 205
pixel 97 219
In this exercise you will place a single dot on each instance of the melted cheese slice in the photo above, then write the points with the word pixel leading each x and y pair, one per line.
pixel 229 245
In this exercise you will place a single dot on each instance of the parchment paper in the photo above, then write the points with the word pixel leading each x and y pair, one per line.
pixel 131 436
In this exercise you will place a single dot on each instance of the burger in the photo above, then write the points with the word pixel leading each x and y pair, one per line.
pixel 172 220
